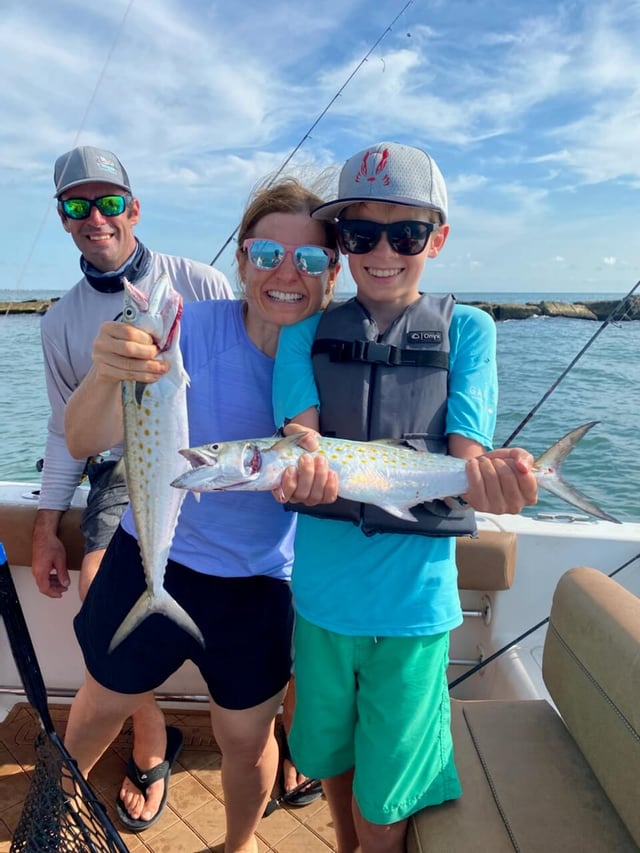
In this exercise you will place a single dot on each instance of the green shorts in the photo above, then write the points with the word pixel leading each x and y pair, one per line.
pixel 379 705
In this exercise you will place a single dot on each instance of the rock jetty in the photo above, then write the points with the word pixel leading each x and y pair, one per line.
pixel 591 310
pixel 27 306
pixel 588 310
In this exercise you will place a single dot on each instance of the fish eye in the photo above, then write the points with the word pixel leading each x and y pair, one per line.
pixel 129 312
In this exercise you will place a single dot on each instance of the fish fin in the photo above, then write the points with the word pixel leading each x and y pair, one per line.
pixel 398 512
pixel 548 465
pixel 295 438
pixel 138 392
pixel 391 442
pixel 148 603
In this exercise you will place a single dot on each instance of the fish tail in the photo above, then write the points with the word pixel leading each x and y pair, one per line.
pixel 159 602
pixel 549 477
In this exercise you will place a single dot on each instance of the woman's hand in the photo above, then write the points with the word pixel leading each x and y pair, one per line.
pixel 501 481
pixel 123 352
pixel 311 482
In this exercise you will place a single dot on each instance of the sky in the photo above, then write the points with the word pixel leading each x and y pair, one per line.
pixel 532 111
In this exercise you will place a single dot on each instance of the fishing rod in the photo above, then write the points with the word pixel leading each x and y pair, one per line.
pixel 83 120
pixel 307 134
pixel 621 304
pixel 518 639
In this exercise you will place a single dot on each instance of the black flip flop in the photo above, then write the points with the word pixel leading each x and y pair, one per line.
pixel 306 792
pixel 142 779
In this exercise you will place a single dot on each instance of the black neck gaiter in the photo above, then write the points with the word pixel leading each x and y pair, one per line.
pixel 111 282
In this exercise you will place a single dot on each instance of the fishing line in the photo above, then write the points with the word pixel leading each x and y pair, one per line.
pixel 555 384
pixel 307 134
pixel 512 643
pixel 92 98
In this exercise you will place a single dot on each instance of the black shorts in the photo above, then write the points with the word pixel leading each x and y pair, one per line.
pixel 107 500
pixel 246 624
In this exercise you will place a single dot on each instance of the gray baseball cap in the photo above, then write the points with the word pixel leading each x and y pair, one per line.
pixel 392 173
pixel 84 164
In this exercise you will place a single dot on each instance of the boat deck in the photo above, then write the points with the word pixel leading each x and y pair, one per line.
pixel 193 821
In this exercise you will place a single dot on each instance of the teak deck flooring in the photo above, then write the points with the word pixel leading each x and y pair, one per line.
pixel 193 821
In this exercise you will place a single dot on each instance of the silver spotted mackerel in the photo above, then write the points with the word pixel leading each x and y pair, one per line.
pixel 388 474
pixel 155 427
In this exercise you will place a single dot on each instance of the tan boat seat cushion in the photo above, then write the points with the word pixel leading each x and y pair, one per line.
pixel 16 529
pixel 533 783
pixel 488 562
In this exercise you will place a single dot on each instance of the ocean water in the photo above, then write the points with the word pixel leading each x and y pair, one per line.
pixel 603 386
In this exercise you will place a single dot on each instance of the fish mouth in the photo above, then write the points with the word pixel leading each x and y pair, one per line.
pixel 197 459
pixel 206 467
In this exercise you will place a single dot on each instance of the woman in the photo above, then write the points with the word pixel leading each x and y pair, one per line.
pixel 231 555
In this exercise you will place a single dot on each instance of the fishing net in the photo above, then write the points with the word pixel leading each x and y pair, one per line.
pixel 61 811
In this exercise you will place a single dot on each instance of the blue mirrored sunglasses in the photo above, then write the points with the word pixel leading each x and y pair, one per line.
pixel 269 254
pixel 80 208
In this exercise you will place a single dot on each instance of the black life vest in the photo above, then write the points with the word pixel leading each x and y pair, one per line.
pixel 393 385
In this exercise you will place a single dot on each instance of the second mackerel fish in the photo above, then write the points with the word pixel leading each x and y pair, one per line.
pixel 388 474
pixel 155 427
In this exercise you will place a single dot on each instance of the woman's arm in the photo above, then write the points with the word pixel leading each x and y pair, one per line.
pixel 93 415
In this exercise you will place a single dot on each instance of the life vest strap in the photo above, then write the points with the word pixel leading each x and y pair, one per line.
pixel 373 352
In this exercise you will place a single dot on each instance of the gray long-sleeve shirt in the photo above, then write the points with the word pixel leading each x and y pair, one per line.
pixel 68 330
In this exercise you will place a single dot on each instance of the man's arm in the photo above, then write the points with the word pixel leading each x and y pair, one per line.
pixel 49 558
pixel 60 476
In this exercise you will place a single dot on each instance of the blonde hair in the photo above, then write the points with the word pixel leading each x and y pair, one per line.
pixel 287 195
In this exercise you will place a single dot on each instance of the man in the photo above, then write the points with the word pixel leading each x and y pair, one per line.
pixel 98 209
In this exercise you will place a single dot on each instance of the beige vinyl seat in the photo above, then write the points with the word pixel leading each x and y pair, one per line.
pixel 16 531
pixel 537 782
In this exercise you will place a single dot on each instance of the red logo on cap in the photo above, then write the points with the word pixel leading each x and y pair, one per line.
pixel 373 167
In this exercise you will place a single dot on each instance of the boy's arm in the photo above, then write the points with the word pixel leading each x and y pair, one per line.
pixel 500 481
pixel 295 400
pixel 311 482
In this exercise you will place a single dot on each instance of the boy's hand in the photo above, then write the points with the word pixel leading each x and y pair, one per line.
pixel 501 481
pixel 312 482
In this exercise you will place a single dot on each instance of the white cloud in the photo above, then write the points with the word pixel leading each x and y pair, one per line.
pixel 533 117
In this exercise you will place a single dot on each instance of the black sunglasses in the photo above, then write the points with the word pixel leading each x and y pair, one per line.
pixel 359 236
pixel 80 208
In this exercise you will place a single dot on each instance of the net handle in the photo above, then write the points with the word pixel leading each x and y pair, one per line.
pixel 22 649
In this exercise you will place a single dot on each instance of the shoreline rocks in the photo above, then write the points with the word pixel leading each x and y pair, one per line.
pixel 27 306
pixel 587 310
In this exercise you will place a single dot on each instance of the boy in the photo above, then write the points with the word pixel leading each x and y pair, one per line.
pixel 376 596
